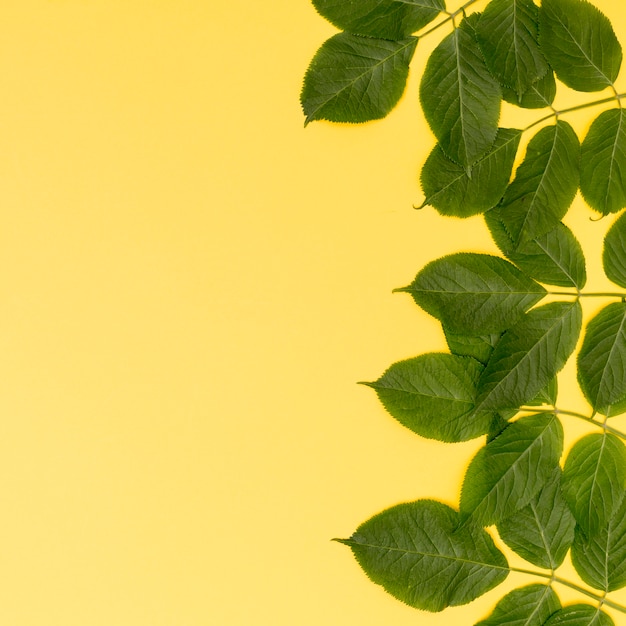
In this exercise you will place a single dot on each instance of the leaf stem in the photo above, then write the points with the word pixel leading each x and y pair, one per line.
pixel 588 294
pixel 450 18
pixel 589 420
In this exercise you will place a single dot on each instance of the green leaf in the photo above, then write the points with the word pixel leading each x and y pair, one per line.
pixel 555 258
pixel 547 395
pixel 603 163
pixel 538 96
pixel 527 606
pixel 593 480
pixel 542 531
pixel 356 79
pixel 433 395
pixel 614 252
pixel 452 192
pixel 529 355
pixel 602 358
pixel 507 34
pixel 580 615
pixel 479 347
pixel 544 187
pixel 505 474
pixel 474 294
pixel 460 98
pixel 600 559
pixel 420 555
pixel 387 19
pixel 579 43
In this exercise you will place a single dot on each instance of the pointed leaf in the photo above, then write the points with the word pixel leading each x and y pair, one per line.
pixel 580 615
pixel 356 79
pixel 593 480
pixel 602 358
pixel 418 553
pixel 555 258
pixel 387 19
pixel 474 294
pixel 433 395
pixel 479 347
pixel 580 44
pixel 460 98
pixel 507 472
pixel 507 34
pixel 529 355
pixel 543 531
pixel 544 187
pixel 451 191
pixel 600 559
pixel 614 252
pixel 527 606
pixel 603 163
pixel 538 96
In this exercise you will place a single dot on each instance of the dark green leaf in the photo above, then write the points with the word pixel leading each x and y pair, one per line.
pixel 580 44
pixel 614 253
pixel 499 423
pixel 356 79
pixel 580 615
pixel 555 258
pixel 507 34
pixel 603 163
pixel 460 98
pixel 602 358
pixel 543 531
pixel 474 294
pixel 451 191
pixel 593 480
pixel 506 473
pixel 479 347
pixel 527 606
pixel 547 395
pixel 538 96
pixel 544 187
pixel 433 395
pixel 529 355
pixel 420 555
pixel 387 19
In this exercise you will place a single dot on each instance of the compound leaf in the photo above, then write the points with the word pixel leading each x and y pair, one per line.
pixel 527 606
pixel 356 79
pixel 542 531
pixel 507 34
pixel 452 192
pixel 544 186
pixel 460 98
pixel 579 43
pixel 474 294
pixel 614 252
pixel 387 19
pixel 507 472
pixel 433 395
pixel 419 553
pixel 593 480
pixel 580 615
pixel 602 358
pixel 603 163
pixel 538 96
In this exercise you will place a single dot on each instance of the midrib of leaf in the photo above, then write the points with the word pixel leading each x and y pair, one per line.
pixel 545 592
pixel 533 508
pixel 594 482
pixel 555 259
pixel 619 127
pixel 621 325
pixel 459 74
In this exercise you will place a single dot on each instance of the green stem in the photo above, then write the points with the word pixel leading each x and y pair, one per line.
pixel 450 17
pixel 589 420
pixel 588 294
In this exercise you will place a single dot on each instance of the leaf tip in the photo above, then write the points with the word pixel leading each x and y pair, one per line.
pixel 366 383
pixel 345 542
pixel 406 289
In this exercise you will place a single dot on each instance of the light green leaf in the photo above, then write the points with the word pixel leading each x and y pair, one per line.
pixel 527 606
pixel 593 480
pixel 387 19
pixel 603 163
pixel 602 358
pixel 420 555
pixel 529 355
pixel 356 79
pixel 580 615
pixel 614 252
pixel 451 191
pixel 507 34
pixel 544 186
pixel 460 98
pixel 543 531
pixel 505 474
pixel 600 559
pixel 474 294
pixel 479 347
pixel 433 395
pixel 580 44
pixel 538 96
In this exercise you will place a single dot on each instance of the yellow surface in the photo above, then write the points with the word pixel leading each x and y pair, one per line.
pixel 192 284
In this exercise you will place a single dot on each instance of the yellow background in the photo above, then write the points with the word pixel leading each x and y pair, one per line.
pixel 192 285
